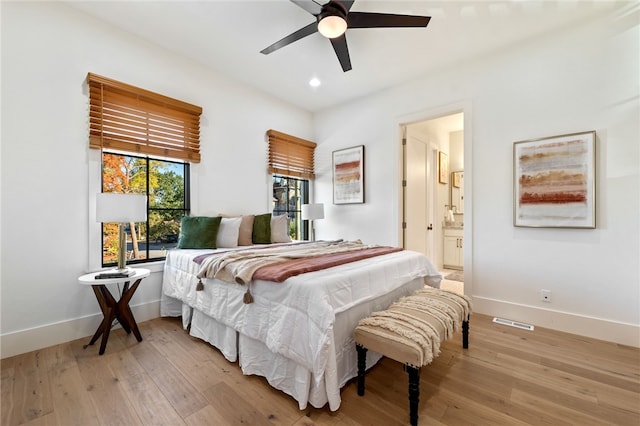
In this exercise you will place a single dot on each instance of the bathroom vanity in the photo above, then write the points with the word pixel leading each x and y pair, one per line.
pixel 453 243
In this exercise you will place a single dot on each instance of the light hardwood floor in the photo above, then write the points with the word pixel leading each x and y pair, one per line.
pixel 507 376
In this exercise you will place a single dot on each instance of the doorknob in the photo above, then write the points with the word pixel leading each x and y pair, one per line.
pixel 430 227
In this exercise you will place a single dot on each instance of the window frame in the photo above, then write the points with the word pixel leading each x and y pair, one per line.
pixel 186 209
pixel 305 184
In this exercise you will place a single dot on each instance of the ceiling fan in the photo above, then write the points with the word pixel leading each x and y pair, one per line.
pixel 333 19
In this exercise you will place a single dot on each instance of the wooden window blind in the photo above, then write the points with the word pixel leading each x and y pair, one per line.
pixel 126 118
pixel 290 155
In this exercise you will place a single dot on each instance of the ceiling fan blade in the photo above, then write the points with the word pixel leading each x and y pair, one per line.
pixel 385 20
pixel 342 51
pixel 347 4
pixel 308 5
pixel 301 33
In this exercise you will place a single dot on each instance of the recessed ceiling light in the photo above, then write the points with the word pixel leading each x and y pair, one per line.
pixel 314 82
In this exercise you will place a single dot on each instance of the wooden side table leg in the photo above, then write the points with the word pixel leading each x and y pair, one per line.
pixel 102 302
pixel 98 332
pixel 107 306
pixel 109 316
pixel 120 309
pixel 128 315
pixel 124 314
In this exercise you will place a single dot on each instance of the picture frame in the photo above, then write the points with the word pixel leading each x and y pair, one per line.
pixel 443 167
pixel 348 175
pixel 554 181
pixel 455 179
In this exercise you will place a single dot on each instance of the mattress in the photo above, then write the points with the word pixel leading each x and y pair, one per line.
pixel 298 333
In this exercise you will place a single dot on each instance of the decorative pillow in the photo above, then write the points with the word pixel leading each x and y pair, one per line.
pixel 246 229
pixel 280 229
pixel 245 237
pixel 262 229
pixel 198 232
pixel 228 232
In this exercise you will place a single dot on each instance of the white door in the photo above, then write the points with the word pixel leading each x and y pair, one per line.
pixel 418 230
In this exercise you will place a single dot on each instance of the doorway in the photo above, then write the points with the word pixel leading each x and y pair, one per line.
pixel 433 196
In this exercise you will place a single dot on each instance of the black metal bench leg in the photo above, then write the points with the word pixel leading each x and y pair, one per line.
pixel 465 334
pixel 414 393
pixel 362 366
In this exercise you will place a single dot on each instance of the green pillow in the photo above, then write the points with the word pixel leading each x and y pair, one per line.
pixel 198 232
pixel 262 229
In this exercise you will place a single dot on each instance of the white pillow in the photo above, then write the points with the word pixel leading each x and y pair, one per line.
pixel 228 232
pixel 280 229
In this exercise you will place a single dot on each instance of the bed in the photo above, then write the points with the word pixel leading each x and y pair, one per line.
pixel 297 333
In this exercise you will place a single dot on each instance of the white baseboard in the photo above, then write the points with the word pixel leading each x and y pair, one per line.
pixel 597 328
pixel 53 334
pixel 23 341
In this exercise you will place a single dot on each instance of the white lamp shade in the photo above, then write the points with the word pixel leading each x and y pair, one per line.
pixel 312 211
pixel 113 207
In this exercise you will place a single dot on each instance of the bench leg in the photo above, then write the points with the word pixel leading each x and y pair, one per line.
pixel 414 393
pixel 465 334
pixel 362 366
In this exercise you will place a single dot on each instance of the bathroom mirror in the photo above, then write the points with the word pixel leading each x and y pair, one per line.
pixel 457 191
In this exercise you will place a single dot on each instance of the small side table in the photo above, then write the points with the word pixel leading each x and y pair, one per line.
pixel 112 309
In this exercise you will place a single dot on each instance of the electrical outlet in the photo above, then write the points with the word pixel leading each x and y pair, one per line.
pixel 546 296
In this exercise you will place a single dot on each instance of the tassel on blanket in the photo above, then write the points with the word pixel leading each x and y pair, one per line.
pixel 200 286
pixel 248 297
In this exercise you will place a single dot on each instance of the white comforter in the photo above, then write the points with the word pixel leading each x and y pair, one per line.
pixel 295 318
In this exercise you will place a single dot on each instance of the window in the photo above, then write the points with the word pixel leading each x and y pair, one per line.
pixel 166 184
pixel 291 162
pixel 289 194
pixel 128 119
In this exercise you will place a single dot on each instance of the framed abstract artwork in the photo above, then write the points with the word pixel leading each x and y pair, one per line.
pixel 554 181
pixel 348 175
pixel 443 167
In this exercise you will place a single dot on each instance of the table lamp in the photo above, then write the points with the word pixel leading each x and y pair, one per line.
pixel 312 212
pixel 122 209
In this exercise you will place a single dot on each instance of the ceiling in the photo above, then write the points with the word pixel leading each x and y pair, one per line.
pixel 227 37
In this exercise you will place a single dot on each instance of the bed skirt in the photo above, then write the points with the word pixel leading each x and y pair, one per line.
pixel 283 373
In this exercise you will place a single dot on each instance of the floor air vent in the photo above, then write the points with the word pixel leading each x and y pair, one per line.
pixel 513 323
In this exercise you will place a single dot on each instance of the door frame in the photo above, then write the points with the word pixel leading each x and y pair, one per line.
pixel 429 114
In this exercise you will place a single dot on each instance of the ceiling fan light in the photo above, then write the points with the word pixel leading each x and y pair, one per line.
pixel 332 26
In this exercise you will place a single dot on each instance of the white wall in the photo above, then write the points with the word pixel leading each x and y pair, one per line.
pixel 456 151
pixel 47 50
pixel 585 78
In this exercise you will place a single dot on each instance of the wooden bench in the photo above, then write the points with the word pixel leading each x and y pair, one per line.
pixel 410 331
